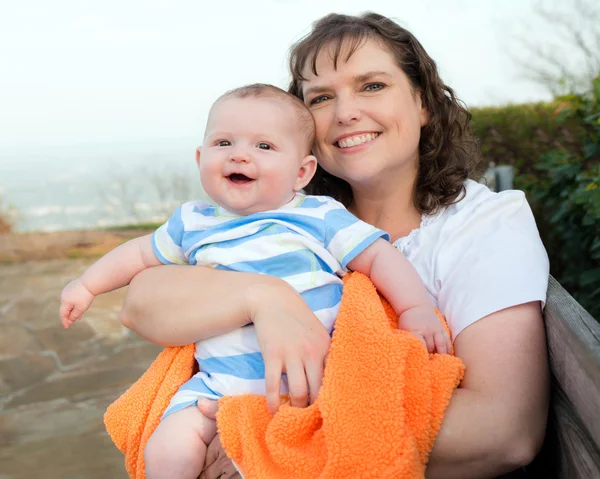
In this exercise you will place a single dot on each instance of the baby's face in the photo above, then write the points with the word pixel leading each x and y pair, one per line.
pixel 252 154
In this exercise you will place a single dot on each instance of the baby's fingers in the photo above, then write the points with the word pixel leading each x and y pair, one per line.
pixel 429 342
pixel 65 312
pixel 76 314
pixel 421 338
pixel 443 345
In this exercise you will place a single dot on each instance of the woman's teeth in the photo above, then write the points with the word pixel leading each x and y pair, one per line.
pixel 357 140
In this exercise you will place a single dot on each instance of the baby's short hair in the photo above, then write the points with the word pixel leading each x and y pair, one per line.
pixel 262 90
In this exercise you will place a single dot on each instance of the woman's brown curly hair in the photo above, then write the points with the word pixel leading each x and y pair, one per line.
pixel 448 151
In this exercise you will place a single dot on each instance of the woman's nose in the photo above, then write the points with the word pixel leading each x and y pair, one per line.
pixel 347 111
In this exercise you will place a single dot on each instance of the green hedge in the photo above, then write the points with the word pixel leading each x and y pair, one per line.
pixel 517 134
pixel 555 149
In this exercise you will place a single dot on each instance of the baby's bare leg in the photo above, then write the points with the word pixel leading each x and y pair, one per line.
pixel 177 448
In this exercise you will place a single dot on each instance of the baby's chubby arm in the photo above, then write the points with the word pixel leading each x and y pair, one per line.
pixel 114 270
pixel 395 278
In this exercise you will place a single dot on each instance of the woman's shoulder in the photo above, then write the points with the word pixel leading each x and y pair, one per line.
pixel 486 255
pixel 479 221
pixel 475 204
pixel 495 212
pixel 478 196
pixel 485 224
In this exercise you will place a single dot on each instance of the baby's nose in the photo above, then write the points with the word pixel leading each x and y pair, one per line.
pixel 240 157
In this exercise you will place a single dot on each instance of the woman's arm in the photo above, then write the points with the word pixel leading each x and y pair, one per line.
pixel 496 420
pixel 177 305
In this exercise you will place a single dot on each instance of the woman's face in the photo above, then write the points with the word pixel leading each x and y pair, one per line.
pixel 368 119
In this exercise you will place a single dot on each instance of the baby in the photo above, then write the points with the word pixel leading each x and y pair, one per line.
pixel 253 164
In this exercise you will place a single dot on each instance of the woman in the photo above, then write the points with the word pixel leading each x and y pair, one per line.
pixel 394 145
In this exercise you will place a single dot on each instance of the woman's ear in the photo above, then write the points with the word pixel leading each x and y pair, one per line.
pixel 423 113
pixel 198 148
pixel 307 169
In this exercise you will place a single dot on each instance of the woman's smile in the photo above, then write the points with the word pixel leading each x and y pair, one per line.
pixel 351 142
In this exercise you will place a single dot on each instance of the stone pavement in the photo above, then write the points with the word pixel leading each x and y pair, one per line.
pixel 55 384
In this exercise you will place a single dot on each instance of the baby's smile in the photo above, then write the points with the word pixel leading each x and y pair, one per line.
pixel 240 179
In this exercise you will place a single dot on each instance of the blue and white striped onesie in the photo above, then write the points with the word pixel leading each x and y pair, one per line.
pixel 308 243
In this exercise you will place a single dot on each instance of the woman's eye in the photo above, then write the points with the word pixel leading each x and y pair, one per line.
pixel 264 146
pixel 223 143
pixel 318 99
pixel 374 86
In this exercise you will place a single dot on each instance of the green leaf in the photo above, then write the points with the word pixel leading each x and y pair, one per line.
pixel 590 277
pixel 596 84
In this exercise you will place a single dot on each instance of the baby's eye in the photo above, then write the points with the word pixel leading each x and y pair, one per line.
pixel 374 86
pixel 223 143
pixel 318 99
pixel 264 146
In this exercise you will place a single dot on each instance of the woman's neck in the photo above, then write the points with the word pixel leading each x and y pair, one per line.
pixel 388 206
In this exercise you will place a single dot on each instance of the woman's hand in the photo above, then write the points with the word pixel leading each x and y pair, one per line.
pixel 292 340
pixel 216 463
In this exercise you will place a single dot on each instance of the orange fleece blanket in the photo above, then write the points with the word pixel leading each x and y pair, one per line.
pixel 377 415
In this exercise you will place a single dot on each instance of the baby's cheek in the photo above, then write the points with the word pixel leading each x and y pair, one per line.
pixel 208 182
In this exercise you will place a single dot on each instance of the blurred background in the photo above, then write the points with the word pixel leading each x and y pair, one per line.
pixel 103 103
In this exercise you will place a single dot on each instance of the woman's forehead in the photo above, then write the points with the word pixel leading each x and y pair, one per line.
pixel 351 59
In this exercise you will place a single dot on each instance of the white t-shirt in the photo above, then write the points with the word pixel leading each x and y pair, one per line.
pixel 480 255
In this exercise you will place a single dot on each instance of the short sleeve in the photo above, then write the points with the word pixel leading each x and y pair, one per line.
pixel 167 240
pixel 491 258
pixel 346 236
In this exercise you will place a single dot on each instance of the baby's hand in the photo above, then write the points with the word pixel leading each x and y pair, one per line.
pixel 75 300
pixel 425 324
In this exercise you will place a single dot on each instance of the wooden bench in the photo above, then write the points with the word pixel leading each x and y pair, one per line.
pixel 572 446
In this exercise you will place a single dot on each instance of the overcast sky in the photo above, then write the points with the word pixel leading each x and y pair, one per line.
pixel 75 72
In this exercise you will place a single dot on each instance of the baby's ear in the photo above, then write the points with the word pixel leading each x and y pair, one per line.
pixel 308 166
pixel 198 148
